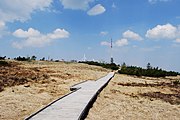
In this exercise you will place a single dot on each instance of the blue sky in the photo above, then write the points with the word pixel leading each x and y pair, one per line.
pixel 142 30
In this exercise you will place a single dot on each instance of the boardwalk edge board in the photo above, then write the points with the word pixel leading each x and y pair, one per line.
pixel 91 102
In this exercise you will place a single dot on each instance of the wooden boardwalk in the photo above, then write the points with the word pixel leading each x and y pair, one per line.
pixel 75 105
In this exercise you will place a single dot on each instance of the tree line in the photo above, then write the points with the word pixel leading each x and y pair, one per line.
pixel 149 71
pixel 32 58
pixel 19 58
pixel 112 66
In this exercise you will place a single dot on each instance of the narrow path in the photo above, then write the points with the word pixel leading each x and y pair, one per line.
pixel 75 105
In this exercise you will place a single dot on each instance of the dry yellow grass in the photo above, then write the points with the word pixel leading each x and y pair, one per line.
pixel 122 100
pixel 125 97
pixel 19 101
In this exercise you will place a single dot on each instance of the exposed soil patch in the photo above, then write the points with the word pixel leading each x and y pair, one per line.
pixel 12 74
pixel 138 84
pixel 163 84
pixel 171 98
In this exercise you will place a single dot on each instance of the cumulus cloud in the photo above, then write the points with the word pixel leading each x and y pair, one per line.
pixel 121 42
pixel 96 10
pixel 21 10
pixel 76 4
pixel 25 34
pixel 103 33
pixel 167 31
pixel 132 35
pixel 33 38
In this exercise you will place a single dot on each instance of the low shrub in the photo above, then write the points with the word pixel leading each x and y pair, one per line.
pixel 4 63
pixel 176 82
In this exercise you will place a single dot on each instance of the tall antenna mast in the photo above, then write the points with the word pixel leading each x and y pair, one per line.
pixel 112 61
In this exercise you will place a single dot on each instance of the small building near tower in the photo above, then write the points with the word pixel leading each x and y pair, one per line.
pixel 112 61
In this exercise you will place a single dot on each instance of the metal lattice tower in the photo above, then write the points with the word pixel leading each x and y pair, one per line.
pixel 111 60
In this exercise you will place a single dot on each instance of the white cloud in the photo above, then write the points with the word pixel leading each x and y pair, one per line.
pixel 167 31
pixel 33 38
pixel 105 43
pixel 154 1
pixel 96 10
pixel 2 25
pixel 25 34
pixel 177 40
pixel 103 33
pixel 2 28
pixel 132 35
pixel 118 43
pixel 76 4
pixel 121 42
pixel 21 10
pixel 58 34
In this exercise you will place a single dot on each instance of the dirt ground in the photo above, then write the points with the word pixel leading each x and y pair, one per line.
pixel 132 98
pixel 29 86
